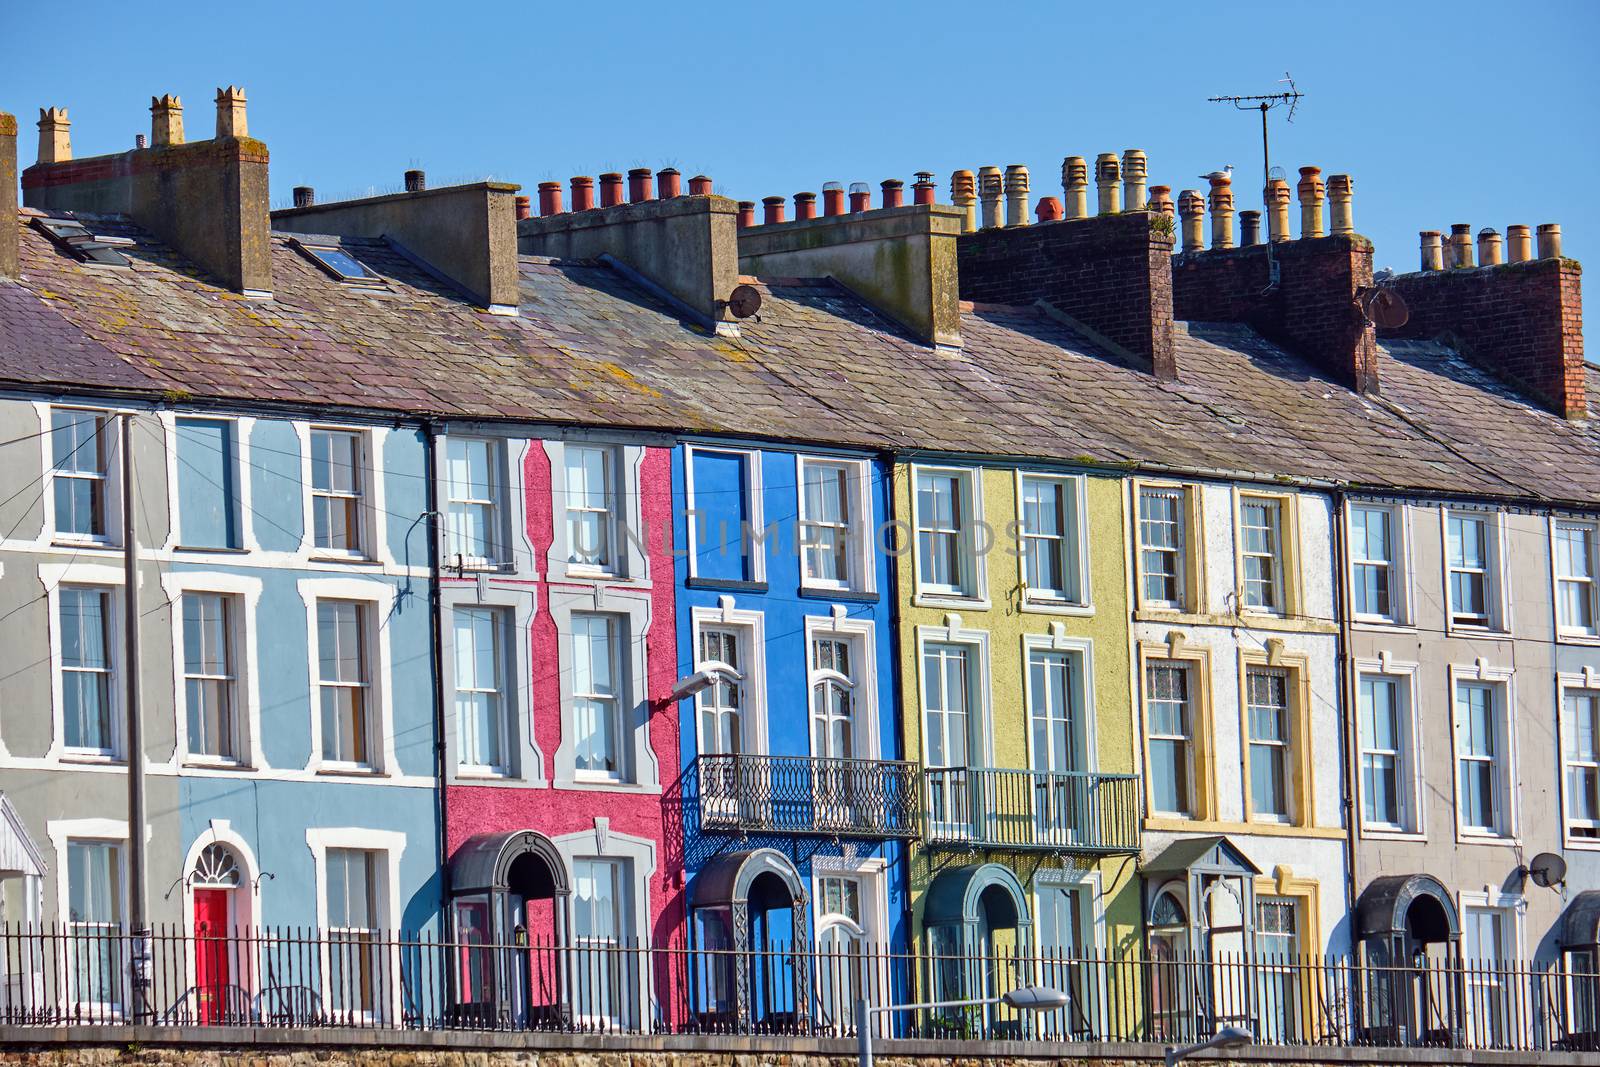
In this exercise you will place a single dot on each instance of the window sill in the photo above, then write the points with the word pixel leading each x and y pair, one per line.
pixel 739 585
pixel 100 759
pixel 477 774
pixel 818 592
pixel 1249 620
pixel 1379 833
pixel 1567 637
pixel 479 566
pixel 1476 631
pixel 1584 844
pixel 1382 626
pixel 1181 824
pixel 79 544
pixel 1468 837
pixel 355 561
pixel 957 601
pixel 1040 606
pixel 215 550
pixel 349 770
pixel 216 765
pixel 606 785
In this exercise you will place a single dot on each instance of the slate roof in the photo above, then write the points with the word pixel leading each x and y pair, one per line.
pixel 816 364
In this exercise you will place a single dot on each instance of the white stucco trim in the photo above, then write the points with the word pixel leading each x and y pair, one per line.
pixel 632 607
pixel 1056 640
pixel 374 512
pixel 1567 636
pixel 601 842
pixel 975 555
pixel 869 872
pixel 52 576
pixel 244 644
pixel 392 844
pixel 245 898
pixel 953 633
pixel 1589 679
pixel 751 627
pixel 1513 904
pixel 379 596
pixel 1076 485
pixel 62 831
pixel 627 526
pixel 242 427
pixel 1502 677
pixel 1405 673
pixel 511 525
pixel 112 486
pixel 862 637
pixel 1402 568
pixel 753 510
pixel 521 600
pixel 1496 594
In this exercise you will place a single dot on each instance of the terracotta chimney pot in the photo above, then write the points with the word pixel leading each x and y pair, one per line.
pixel 641 181
pixel 805 206
pixel 550 198
pixel 1221 211
pixel 699 185
pixel 166 120
pixel 1549 240
pixel 55 135
pixel 1277 209
pixel 964 195
pixel 1107 177
pixel 893 192
pixel 860 197
pixel 583 193
pixel 230 113
pixel 1490 250
pixel 772 209
pixel 1049 209
pixel 991 188
pixel 1249 228
pixel 833 198
pixel 1519 243
pixel 1192 212
pixel 669 183
pixel 922 189
pixel 1341 191
pixel 747 214
pixel 1461 246
pixel 524 208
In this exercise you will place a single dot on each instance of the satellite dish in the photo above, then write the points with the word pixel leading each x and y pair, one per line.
pixel 1547 869
pixel 1387 310
pixel 744 301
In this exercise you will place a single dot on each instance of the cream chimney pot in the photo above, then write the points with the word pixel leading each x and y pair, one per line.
pixel 230 113
pixel 1341 189
pixel 1192 210
pixel 1432 250
pixel 55 135
pixel 1461 246
pixel 1107 176
pixel 1489 248
pixel 1135 172
pixel 964 195
pixel 1519 243
pixel 166 120
pixel 1016 187
pixel 1549 240
pixel 1221 211
pixel 1312 195
pixel 1278 209
pixel 1075 187
pixel 989 193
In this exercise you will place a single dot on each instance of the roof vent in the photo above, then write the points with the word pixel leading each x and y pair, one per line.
pixel 72 237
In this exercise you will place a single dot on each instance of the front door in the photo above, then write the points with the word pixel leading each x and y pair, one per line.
pixel 212 960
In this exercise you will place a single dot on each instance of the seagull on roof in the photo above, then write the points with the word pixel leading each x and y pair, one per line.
pixel 1225 172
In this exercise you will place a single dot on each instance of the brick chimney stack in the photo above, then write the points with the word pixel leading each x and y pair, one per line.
pixel 1075 187
pixel 166 120
pixel 1135 172
pixel 55 135
pixel 1016 186
pixel 1108 178
pixel 230 113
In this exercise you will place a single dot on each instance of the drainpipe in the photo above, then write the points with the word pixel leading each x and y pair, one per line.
pixel 436 662
pixel 898 676
pixel 1347 742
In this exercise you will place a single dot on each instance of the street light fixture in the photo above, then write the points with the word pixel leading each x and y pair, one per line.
pixel 1027 998
pixel 1229 1037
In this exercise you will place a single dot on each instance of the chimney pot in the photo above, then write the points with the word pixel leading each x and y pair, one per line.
pixel 1490 249
pixel 893 192
pixel 1049 209
pixel 1341 190
pixel 1313 194
pixel 166 120
pixel 1135 171
pixel 699 185
pixel 805 206
pixel 1160 201
pixel 1192 210
pixel 416 181
pixel 1016 189
pixel 1432 250
pixel 230 113
pixel 964 195
pixel 610 189
pixel 1519 243
pixel 772 208
pixel 524 208
pixel 140 141
pixel 1221 211
pixel 583 193
pixel 747 214
pixel 922 189
pixel 1107 176
pixel 55 135
pixel 669 183
pixel 1075 187
pixel 860 197
pixel 640 180
pixel 832 198
pixel 1461 246
pixel 991 187
pixel 1277 197
pixel 1249 228
pixel 1549 240
pixel 550 198
pixel 304 196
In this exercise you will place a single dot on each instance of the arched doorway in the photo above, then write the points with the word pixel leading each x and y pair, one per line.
pixel 750 921
pixel 1409 935
pixel 979 928
pixel 510 920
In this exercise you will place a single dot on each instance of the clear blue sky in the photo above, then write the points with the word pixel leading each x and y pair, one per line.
pixel 1445 112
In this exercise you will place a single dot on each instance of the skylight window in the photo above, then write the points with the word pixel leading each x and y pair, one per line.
pixel 72 237
pixel 339 263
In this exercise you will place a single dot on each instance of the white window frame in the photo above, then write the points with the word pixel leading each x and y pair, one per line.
pixel 859 532
pixel 1074 545
pixel 110 479
pixel 503 624
pixel 632 560
pixel 639 853
pixel 1400 573
pixel 109 578
pixel 1188 554
pixel 1410 769
pixel 633 607
pixel 1567 684
pixel 1195 708
pixel 1564 632
pixel 1296 728
pixel 498 502
pixel 1482 972
pixel 368 507
pixel 971 562
pixel 870 877
pixel 611 518
pixel 244 475
pixel 519 600
pixel 980 734
pixel 378 597
pixel 1082 649
pixel 246 593
pixel 749 628
pixel 755 553
pixel 1495 603
pixel 861 634
pixel 1089 889
pixel 391 844
pixel 1507 817
pixel 63 833
pixel 1282 556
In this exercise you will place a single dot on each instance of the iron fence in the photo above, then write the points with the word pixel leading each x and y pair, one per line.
pixel 807 795
pixel 65 975
pixel 1025 810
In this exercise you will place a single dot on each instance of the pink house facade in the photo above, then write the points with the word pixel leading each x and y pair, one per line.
pixel 561 737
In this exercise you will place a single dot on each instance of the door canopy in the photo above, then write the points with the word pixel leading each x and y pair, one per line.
pixel 1416 906
pixel 729 879
pixel 982 890
pixel 522 861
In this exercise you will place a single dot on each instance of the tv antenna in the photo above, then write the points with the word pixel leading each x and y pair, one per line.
pixel 1264 103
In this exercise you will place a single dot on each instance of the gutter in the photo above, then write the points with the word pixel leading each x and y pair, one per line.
pixel 436 661
pixel 1348 743
pixel 898 675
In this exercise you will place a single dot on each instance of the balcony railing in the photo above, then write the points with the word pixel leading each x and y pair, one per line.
pixel 1022 810
pixel 807 795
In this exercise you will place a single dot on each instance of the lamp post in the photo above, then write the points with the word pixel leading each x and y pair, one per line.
pixel 1229 1037
pixel 1028 998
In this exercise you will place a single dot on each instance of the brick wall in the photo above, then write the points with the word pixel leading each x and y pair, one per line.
pixel 1522 322
pixel 1312 311
pixel 1113 273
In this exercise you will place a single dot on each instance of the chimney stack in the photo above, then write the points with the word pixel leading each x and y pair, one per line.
pixel 1249 228
pixel 1075 187
pixel 1192 212
pixel 669 183
pixel 1519 243
pixel 1016 187
pixel 582 193
pixel 922 189
pixel 771 210
pixel 1135 171
pixel 1549 240
pixel 416 181
pixel 640 180
pixel 894 192
pixel 524 208
pixel 747 214
pixel 230 113
pixel 10 252
pixel 55 135
pixel 1461 246
pixel 1049 209
pixel 1278 209
pixel 1489 248
pixel 1160 201
pixel 166 120
pixel 805 206
pixel 1340 191
pixel 700 185
pixel 964 195
pixel 304 196
pixel 860 197
pixel 1221 211
pixel 1108 176
pixel 611 189
pixel 832 198
pixel 550 198
pixel 1432 250
pixel 990 191
pixel 1313 193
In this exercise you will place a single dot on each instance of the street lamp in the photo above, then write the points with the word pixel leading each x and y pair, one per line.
pixel 1028 998
pixel 1229 1037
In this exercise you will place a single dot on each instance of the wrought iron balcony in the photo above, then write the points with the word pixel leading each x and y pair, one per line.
pixel 1030 811
pixel 807 795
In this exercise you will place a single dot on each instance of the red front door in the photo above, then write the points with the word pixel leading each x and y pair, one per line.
pixel 213 971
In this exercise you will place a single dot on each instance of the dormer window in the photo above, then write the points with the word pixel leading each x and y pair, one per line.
pixel 339 263
pixel 73 238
